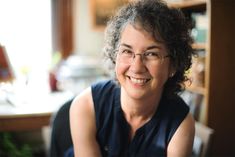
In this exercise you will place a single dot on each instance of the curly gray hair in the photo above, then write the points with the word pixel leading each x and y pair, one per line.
pixel 155 17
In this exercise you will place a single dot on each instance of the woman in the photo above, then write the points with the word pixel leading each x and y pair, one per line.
pixel 139 114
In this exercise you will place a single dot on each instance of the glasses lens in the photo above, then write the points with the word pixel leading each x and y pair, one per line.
pixel 127 56
pixel 152 56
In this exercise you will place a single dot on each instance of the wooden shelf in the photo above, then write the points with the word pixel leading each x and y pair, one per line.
pixel 196 89
pixel 189 4
pixel 218 109
pixel 199 46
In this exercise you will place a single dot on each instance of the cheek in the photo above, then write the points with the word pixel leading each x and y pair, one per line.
pixel 160 74
pixel 120 69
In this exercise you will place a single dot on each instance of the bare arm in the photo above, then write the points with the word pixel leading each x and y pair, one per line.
pixel 182 141
pixel 83 127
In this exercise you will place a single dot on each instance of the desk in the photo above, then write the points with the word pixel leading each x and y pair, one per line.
pixel 33 115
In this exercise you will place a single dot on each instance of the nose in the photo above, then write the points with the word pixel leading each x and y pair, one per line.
pixel 137 64
pixel 138 54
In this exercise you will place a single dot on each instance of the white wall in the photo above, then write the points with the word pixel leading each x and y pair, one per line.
pixel 25 32
pixel 87 40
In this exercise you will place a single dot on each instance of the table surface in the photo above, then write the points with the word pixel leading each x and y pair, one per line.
pixel 32 114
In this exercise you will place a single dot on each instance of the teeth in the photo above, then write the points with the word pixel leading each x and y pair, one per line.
pixel 139 81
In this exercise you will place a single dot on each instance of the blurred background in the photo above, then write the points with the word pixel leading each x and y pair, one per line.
pixel 50 50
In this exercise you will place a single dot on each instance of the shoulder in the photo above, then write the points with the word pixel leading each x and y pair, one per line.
pixel 90 97
pixel 105 92
pixel 175 108
pixel 103 86
pixel 182 141
pixel 82 103
pixel 178 102
pixel 85 98
pixel 82 124
pixel 174 111
pixel 182 135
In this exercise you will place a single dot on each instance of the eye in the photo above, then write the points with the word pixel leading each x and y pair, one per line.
pixel 152 55
pixel 126 52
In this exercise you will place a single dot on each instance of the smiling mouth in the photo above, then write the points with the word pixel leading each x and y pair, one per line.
pixel 138 80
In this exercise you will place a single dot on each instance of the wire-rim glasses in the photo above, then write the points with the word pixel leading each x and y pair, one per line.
pixel 149 57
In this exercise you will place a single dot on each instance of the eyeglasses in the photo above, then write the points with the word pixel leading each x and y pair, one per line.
pixel 127 56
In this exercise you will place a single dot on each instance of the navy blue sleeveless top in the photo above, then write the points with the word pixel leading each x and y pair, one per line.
pixel 113 130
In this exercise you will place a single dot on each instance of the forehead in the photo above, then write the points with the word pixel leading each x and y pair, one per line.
pixel 134 35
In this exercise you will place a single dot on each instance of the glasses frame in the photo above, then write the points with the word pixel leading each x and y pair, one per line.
pixel 142 56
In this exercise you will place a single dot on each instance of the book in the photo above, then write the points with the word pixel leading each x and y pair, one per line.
pixel 6 71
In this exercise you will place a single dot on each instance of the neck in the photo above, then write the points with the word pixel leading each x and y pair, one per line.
pixel 139 109
pixel 138 112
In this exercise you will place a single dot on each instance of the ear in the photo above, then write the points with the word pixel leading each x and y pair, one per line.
pixel 171 74
pixel 172 71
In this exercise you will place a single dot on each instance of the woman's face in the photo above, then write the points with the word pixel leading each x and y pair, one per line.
pixel 141 78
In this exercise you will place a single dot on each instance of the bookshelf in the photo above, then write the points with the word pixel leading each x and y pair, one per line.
pixel 189 4
pixel 219 88
pixel 196 89
pixel 199 46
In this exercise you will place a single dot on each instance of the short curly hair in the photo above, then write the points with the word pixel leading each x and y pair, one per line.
pixel 155 17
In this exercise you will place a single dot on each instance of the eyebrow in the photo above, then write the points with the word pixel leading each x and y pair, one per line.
pixel 125 45
pixel 148 48
pixel 154 47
